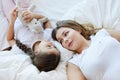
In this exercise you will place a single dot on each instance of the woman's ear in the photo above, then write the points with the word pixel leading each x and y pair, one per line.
pixel 79 31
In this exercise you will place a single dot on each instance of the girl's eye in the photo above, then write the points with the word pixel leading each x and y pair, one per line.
pixel 49 46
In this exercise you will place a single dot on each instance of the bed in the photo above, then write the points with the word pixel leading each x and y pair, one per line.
pixel 15 65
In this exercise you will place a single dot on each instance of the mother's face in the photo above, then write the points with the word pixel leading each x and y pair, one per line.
pixel 69 38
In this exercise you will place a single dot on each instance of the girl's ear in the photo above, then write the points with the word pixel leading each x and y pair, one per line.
pixel 36 52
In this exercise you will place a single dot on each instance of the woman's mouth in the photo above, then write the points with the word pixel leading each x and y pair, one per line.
pixel 70 44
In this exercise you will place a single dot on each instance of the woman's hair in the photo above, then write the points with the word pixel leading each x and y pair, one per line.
pixel 43 61
pixel 86 29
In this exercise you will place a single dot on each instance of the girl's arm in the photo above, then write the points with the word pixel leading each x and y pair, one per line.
pixel 38 16
pixel 114 33
pixel 74 72
pixel 10 32
pixel 28 16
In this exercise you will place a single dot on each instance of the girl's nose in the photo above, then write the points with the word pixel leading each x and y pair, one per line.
pixel 50 43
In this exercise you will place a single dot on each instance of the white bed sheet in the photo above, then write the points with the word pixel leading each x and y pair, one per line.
pixel 100 13
pixel 3 30
pixel 53 9
pixel 15 65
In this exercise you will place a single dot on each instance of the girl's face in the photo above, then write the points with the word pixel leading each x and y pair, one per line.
pixel 45 47
pixel 70 38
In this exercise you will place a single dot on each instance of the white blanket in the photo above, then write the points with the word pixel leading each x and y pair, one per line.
pixel 15 65
pixel 100 13
pixel 3 30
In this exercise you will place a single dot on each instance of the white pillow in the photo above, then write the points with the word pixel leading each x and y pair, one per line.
pixel 65 54
pixel 100 13
pixel 84 12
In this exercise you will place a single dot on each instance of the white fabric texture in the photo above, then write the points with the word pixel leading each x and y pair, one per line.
pixel 17 66
pixel 27 37
pixel 3 30
pixel 100 13
pixel 101 60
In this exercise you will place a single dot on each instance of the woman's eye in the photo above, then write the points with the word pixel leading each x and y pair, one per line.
pixel 61 41
pixel 66 33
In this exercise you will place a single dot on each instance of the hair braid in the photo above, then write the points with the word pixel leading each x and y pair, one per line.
pixel 24 48
pixel 43 61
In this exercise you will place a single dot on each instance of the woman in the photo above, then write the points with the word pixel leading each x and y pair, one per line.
pixel 43 53
pixel 95 60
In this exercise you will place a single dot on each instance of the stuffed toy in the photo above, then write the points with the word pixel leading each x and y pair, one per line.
pixel 36 25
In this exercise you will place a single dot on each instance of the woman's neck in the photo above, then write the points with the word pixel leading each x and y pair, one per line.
pixel 84 46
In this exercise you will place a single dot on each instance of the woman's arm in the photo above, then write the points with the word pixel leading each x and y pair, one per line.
pixel 74 72
pixel 114 33
pixel 10 32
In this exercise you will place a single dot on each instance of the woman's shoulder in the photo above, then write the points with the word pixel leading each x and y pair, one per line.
pixel 102 32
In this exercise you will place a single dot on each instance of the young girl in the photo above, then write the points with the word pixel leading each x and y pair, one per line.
pixel 43 53
pixel 95 60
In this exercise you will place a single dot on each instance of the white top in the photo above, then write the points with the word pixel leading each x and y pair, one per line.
pixel 27 37
pixel 101 61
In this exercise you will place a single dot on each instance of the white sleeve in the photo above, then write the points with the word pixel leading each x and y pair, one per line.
pixel 102 33
pixel 76 59
pixel 47 34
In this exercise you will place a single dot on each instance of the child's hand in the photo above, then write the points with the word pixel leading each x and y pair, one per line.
pixel 27 16
pixel 13 14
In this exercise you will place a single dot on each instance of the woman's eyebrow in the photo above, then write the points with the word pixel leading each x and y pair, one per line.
pixel 61 35
pixel 63 32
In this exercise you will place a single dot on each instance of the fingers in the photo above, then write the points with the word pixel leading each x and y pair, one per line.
pixel 15 9
pixel 27 19
pixel 13 14
pixel 27 16
pixel 26 12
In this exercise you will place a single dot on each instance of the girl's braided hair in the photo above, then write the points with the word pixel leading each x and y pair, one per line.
pixel 43 61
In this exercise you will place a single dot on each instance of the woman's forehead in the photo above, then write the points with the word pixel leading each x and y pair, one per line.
pixel 61 30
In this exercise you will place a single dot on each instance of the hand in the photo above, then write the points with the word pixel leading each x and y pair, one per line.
pixel 27 16
pixel 47 25
pixel 13 14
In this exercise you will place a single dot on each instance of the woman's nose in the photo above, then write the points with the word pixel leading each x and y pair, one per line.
pixel 65 40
